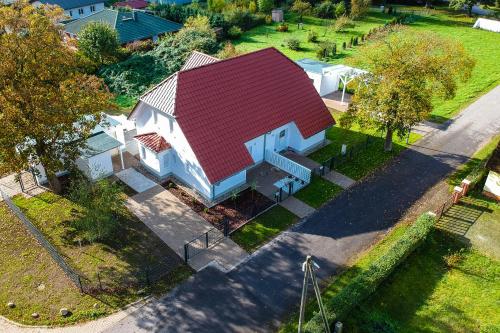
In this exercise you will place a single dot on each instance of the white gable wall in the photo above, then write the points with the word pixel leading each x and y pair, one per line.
pixel 183 162
pixel 325 83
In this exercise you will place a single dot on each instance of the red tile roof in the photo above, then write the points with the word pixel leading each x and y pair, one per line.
pixel 134 4
pixel 222 105
pixel 153 141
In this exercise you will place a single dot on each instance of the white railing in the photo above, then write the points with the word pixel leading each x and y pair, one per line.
pixel 288 165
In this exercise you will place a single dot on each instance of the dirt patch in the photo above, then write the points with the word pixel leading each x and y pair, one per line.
pixel 236 210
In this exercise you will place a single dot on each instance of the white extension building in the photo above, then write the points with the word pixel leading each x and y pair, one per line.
pixel 207 124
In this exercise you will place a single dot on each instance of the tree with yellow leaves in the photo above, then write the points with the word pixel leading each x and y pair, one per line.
pixel 405 72
pixel 48 105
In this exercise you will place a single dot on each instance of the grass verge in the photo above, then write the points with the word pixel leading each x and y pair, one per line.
pixel 263 228
pixel 318 192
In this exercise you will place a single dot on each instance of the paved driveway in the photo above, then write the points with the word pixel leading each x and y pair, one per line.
pixel 175 223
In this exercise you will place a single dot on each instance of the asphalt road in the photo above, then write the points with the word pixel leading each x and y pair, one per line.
pixel 260 292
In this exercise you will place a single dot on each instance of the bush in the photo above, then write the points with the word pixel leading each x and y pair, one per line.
pixel 282 27
pixel 342 24
pixel 344 45
pixel 98 42
pixel 265 6
pixel 324 49
pixel 359 8
pixel 268 19
pixel 178 13
pixel 312 36
pixel 325 10
pixel 234 32
pixel 293 44
pixel 340 9
pixel 229 51
pixel 367 282
pixel 140 46
pixel 101 201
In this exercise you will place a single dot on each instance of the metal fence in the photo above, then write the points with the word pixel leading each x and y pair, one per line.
pixel 341 157
pixel 206 240
pixel 288 165
pixel 109 279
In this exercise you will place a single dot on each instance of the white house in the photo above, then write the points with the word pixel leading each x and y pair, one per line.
pixel 213 120
pixel 75 9
pixel 106 141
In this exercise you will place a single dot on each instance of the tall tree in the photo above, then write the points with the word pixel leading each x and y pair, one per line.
pixel 406 71
pixel 48 106
pixel 461 4
pixel 98 42
pixel 301 8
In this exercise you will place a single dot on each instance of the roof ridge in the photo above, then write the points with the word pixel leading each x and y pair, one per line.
pixel 229 59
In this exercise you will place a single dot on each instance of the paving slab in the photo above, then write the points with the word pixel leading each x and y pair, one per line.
pixel 299 208
pixel 339 179
pixel 176 223
pixel 136 180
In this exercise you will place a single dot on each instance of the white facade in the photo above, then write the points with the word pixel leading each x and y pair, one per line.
pixel 79 12
pixel 324 83
pixel 181 162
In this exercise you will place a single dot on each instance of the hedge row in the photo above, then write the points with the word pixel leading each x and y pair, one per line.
pixel 368 281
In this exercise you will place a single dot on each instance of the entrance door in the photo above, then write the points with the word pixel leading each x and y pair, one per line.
pixel 282 140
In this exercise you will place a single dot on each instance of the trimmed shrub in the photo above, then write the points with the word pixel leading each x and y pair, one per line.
pixel 355 41
pixel 293 44
pixel 234 32
pixel 326 10
pixel 282 27
pixel 344 45
pixel 268 19
pixel 324 50
pixel 312 36
pixel 367 282
pixel 334 49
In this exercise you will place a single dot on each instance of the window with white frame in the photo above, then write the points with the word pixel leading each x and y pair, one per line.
pixel 92 8
pixel 80 11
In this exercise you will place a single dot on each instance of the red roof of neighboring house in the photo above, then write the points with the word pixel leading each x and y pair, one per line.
pixel 222 105
pixel 134 4
pixel 153 141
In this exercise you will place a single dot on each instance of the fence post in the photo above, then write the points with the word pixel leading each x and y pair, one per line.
pixel 226 227
pixel 457 194
pixel 206 239
pixel 465 186
pixel 186 252
pixel 281 194
pixel 290 188
pixel 99 279
pixel 80 283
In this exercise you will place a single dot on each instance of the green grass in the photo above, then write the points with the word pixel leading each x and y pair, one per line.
pixel 475 161
pixel 368 159
pixel 426 295
pixel 318 192
pixel 264 228
pixel 124 104
pixel 337 282
pixel 118 259
pixel 481 44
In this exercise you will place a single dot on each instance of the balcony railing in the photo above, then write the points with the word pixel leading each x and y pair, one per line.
pixel 288 165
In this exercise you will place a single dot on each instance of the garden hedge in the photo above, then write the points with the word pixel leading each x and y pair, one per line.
pixel 368 281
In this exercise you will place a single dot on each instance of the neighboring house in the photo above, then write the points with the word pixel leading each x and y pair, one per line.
pixel 213 120
pixel 75 9
pixel 326 77
pixel 130 25
pixel 133 4
pixel 106 141
pixel 492 185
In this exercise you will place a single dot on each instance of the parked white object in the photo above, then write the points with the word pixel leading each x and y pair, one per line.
pixel 487 24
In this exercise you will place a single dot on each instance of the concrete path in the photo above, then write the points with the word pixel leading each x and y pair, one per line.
pixel 176 223
pixel 258 294
pixel 136 180
pixel 339 179
pixel 299 208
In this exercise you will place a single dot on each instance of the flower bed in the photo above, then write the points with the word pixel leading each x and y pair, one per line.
pixel 237 211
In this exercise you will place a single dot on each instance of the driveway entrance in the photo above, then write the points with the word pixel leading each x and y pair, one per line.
pixel 175 223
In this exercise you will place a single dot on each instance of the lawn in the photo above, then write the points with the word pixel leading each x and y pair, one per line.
pixel 367 159
pixel 318 192
pixel 263 228
pixel 121 262
pixel 482 45
pixel 442 287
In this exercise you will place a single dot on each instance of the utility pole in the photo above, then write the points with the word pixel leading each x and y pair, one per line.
pixel 308 269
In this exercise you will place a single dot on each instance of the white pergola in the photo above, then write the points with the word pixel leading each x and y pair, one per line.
pixel 346 74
